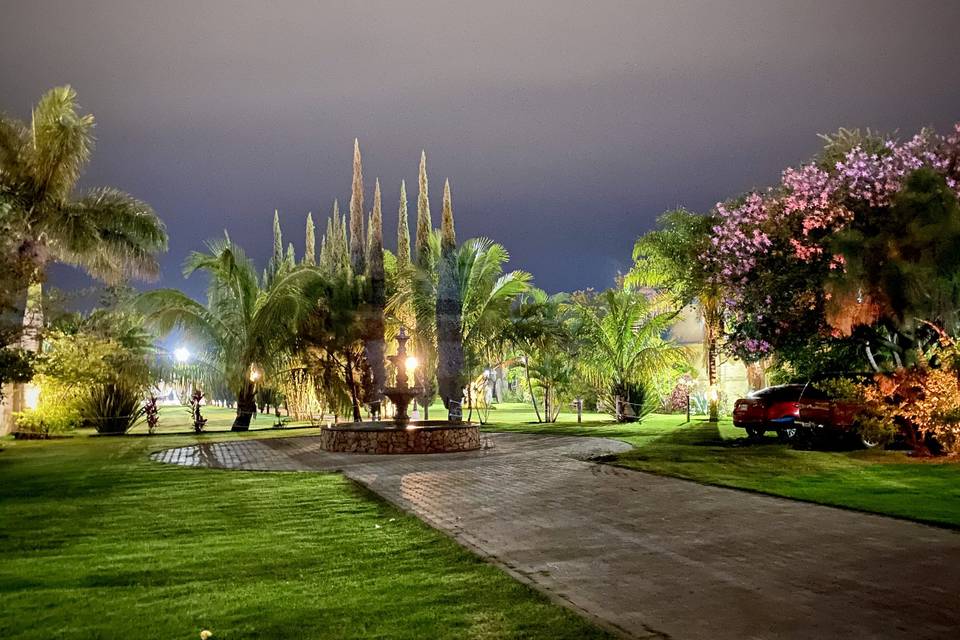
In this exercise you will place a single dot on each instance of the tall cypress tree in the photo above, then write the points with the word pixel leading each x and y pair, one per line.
pixel 450 358
pixel 357 243
pixel 310 244
pixel 424 224
pixel 277 239
pixel 290 260
pixel 368 245
pixel 343 243
pixel 448 237
pixel 276 257
pixel 426 348
pixel 403 231
pixel 375 344
pixel 334 254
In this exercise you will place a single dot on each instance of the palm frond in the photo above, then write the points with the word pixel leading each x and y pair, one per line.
pixel 62 143
pixel 165 310
pixel 110 233
pixel 15 152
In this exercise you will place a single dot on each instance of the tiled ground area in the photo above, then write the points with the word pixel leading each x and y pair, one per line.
pixel 654 557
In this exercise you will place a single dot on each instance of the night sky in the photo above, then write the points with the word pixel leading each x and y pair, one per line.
pixel 565 128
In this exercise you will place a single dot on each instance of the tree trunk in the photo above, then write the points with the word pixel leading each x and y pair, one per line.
pixel 526 366
pixel 246 407
pixel 470 401
pixel 756 375
pixel 352 385
pixel 450 358
pixel 713 399
pixel 870 358
pixel 546 402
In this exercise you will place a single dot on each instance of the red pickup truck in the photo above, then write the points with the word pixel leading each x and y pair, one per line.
pixel 831 418
pixel 773 409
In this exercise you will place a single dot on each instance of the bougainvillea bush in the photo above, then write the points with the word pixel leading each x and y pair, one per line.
pixel 860 245
pixel 851 264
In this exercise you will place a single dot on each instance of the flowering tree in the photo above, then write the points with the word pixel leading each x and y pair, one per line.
pixel 847 244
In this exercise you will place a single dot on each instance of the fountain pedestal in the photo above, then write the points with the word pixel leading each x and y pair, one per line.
pixel 375 438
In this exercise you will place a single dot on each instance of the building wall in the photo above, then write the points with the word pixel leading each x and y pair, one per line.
pixel 688 331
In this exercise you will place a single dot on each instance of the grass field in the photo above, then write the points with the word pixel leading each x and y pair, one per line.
pixel 96 541
pixel 177 420
pixel 886 482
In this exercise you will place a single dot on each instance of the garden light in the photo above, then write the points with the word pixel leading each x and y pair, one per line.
pixel 412 363
pixel 181 354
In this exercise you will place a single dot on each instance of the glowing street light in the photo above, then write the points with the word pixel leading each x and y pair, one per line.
pixel 254 374
pixel 181 354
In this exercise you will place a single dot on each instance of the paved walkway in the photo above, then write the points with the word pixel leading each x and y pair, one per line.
pixel 651 556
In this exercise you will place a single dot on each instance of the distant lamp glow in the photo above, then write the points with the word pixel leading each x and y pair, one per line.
pixel 181 354
pixel 254 374
pixel 31 396
pixel 412 363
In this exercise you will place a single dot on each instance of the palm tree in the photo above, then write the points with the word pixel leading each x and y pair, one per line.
pixel 330 342
pixel 107 233
pixel 670 260
pixel 414 303
pixel 485 291
pixel 246 327
pixel 486 294
pixel 625 352
pixel 540 331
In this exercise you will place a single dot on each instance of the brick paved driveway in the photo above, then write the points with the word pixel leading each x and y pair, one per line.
pixel 651 556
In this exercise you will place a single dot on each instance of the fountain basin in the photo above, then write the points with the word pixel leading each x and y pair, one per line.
pixel 423 436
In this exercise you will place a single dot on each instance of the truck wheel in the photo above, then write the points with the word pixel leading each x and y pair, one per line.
pixel 755 433
pixel 803 439
pixel 787 435
pixel 867 442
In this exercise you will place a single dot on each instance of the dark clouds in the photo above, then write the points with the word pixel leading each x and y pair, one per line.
pixel 565 128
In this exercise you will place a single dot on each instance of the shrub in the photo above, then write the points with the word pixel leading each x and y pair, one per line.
pixel 935 410
pixel 196 401
pixel 842 389
pixel 152 411
pixel 112 408
pixel 925 400
pixel 16 365
pixel 48 418
pixel 874 426
pixel 676 402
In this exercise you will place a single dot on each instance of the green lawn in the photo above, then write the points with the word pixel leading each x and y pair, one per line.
pixel 178 420
pixel 886 482
pixel 96 541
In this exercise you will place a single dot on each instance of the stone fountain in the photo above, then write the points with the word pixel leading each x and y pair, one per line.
pixel 402 393
pixel 400 435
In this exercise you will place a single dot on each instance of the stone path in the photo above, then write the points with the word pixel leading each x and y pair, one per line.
pixel 650 556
